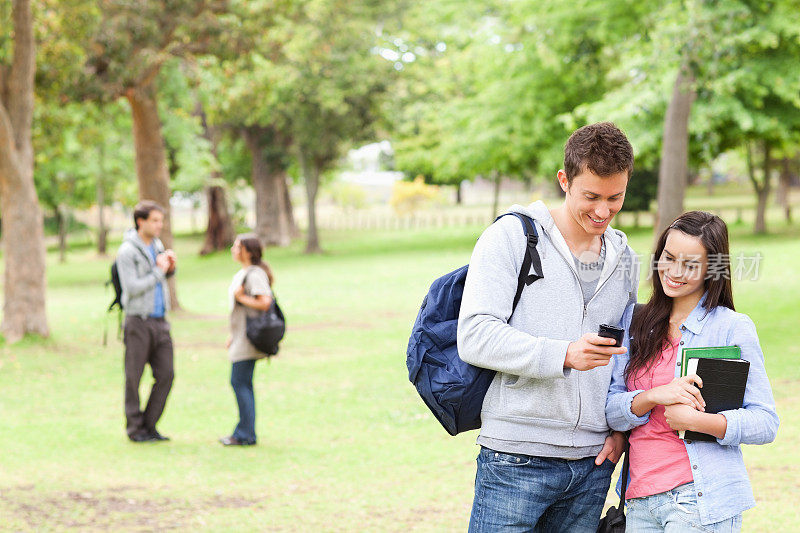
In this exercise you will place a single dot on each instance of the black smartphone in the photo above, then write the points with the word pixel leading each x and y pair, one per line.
pixel 612 332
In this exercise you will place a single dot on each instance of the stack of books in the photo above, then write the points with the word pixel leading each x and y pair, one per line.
pixel 724 374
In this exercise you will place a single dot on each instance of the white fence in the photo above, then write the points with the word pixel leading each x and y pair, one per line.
pixel 366 220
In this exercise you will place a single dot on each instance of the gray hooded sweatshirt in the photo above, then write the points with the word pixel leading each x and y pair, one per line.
pixel 535 405
pixel 139 275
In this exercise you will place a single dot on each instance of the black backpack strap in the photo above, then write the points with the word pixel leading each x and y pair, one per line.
pixel 244 280
pixel 637 308
pixel 625 466
pixel 531 256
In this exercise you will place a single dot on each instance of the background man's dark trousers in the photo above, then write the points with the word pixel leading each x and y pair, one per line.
pixel 147 341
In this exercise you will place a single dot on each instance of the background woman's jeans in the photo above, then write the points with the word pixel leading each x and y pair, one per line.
pixel 242 383
pixel 523 493
pixel 674 510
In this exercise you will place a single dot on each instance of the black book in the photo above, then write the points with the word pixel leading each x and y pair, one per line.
pixel 724 383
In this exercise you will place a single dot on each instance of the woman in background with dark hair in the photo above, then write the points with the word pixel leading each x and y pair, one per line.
pixel 674 484
pixel 250 293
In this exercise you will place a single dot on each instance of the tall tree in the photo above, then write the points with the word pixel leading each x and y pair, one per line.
pixel 131 44
pixel 506 85
pixel 269 151
pixel 238 96
pixel 751 100
pixel 192 149
pixel 673 171
pixel 23 233
pixel 731 67
pixel 310 80
pixel 219 228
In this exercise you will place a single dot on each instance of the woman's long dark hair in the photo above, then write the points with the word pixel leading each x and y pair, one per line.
pixel 650 330
pixel 252 244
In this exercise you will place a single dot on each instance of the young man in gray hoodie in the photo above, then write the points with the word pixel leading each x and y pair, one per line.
pixel 143 265
pixel 547 453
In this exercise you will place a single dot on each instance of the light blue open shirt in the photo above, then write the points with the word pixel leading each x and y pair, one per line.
pixel 720 478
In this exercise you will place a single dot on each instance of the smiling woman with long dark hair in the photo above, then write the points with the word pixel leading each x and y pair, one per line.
pixel 683 484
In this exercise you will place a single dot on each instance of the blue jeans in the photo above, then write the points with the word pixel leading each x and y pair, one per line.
pixel 242 383
pixel 541 494
pixel 674 511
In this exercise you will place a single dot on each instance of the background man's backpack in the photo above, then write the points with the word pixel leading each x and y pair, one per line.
pixel 117 302
pixel 452 389
pixel 114 281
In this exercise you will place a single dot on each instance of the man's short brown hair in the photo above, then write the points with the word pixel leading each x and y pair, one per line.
pixel 143 209
pixel 601 148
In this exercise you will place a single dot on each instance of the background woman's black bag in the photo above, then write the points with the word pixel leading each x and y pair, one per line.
pixel 266 330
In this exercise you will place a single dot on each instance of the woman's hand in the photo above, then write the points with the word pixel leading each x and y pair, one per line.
pixel 228 342
pixel 681 417
pixel 679 391
pixel 261 302
pixel 239 293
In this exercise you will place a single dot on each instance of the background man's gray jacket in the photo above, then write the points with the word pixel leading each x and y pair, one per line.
pixel 139 275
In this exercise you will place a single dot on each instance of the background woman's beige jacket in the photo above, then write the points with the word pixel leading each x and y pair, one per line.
pixel 256 284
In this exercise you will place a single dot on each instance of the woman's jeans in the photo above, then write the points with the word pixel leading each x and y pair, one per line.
pixel 242 383
pixel 674 511
pixel 523 493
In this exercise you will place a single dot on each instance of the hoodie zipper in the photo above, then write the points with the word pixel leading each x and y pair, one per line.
pixel 583 319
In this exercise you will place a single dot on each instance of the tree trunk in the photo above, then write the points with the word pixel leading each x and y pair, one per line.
pixel 496 196
pixel 62 219
pixel 674 167
pixel 219 231
pixel 102 231
pixel 784 189
pixel 763 190
pixel 459 195
pixel 269 182
pixel 151 162
pixel 311 177
pixel 294 231
pixel 23 231
pixel 193 216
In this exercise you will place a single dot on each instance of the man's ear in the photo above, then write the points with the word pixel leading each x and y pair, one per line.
pixel 562 180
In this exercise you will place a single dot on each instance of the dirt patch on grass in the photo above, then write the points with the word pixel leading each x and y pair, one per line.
pixel 126 508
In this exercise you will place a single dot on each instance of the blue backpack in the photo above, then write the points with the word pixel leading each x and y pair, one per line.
pixel 452 389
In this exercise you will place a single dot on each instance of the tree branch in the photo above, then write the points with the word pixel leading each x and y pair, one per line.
pixel 168 47
pixel 751 169
pixel 3 84
pixel 9 164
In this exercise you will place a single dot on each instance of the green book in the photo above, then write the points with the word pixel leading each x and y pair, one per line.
pixel 710 352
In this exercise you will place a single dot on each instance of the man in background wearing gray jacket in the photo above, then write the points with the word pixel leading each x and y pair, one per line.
pixel 547 453
pixel 143 265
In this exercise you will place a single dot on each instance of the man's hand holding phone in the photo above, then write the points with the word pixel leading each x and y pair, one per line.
pixel 591 351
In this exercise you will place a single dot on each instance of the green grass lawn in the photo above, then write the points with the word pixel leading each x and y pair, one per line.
pixel 345 444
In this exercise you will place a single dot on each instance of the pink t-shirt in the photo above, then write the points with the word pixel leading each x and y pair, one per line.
pixel 659 461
